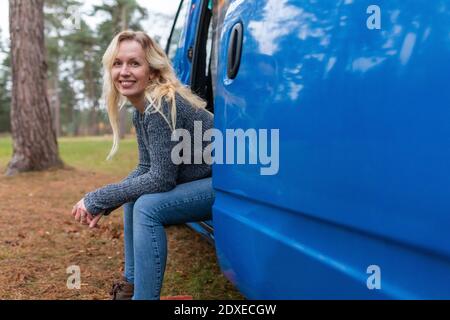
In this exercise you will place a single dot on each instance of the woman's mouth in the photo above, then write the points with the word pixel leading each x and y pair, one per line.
pixel 126 84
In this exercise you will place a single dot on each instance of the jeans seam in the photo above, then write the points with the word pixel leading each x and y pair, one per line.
pixel 129 269
pixel 158 260
pixel 174 204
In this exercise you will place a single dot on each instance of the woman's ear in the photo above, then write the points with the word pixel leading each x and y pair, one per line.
pixel 153 75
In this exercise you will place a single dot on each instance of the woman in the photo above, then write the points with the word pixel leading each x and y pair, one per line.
pixel 158 192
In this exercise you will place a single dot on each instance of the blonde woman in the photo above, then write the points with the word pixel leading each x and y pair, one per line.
pixel 158 192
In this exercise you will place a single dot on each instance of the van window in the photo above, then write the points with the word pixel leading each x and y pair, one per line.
pixel 177 28
pixel 201 81
pixel 209 48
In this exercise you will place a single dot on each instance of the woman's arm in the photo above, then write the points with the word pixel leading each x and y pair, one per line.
pixel 161 176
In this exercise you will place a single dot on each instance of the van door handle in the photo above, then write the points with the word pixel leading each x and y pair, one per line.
pixel 235 50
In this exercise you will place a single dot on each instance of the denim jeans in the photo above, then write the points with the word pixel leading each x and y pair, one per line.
pixel 145 237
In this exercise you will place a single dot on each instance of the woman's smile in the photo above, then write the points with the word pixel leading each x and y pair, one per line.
pixel 127 84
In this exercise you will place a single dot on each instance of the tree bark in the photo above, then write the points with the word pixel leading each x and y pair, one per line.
pixel 91 95
pixel 55 103
pixel 34 140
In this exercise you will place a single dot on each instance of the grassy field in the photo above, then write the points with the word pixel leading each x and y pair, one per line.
pixel 87 153
pixel 39 238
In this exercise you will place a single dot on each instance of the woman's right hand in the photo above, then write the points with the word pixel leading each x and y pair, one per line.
pixel 93 220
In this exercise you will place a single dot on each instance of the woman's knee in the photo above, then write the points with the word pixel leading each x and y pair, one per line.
pixel 147 207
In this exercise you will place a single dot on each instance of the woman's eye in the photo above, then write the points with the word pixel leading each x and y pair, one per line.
pixel 117 63
pixel 135 64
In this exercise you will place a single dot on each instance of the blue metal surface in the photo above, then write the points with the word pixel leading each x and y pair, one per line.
pixel 181 63
pixel 364 150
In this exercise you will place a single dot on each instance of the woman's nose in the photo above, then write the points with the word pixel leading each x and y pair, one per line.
pixel 124 71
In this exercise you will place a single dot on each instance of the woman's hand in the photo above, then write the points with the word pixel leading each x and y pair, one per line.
pixel 83 216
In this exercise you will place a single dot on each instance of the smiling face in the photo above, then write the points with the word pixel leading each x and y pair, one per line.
pixel 131 72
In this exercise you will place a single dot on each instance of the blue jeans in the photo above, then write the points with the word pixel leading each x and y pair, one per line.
pixel 145 237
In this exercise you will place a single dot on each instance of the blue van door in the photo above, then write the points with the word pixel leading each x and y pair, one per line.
pixel 190 47
pixel 358 202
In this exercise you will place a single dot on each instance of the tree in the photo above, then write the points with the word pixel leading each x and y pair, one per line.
pixel 82 46
pixel 5 97
pixel 73 55
pixel 122 14
pixel 5 90
pixel 55 14
pixel 70 125
pixel 34 139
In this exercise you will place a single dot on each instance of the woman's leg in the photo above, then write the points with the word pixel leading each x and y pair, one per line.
pixel 128 241
pixel 188 202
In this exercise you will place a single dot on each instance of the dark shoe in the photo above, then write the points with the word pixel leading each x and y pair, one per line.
pixel 122 290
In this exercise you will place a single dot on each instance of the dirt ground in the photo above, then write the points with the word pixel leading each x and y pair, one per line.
pixel 39 240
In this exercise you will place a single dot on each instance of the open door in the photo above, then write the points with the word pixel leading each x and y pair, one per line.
pixel 190 48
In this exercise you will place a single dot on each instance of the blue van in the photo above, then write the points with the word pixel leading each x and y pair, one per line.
pixel 360 94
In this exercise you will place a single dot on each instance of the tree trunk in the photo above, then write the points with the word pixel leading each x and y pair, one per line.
pixel 91 95
pixel 34 140
pixel 55 103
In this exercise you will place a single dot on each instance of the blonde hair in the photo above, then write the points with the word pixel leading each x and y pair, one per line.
pixel 164 85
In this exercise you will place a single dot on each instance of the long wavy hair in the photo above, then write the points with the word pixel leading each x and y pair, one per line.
pixel 164 85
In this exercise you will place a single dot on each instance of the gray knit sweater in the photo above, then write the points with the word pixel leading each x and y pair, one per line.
pixel 155 172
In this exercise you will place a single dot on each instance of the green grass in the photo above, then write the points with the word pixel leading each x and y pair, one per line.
pixel 87 153
pixel 90 154
pixel 5 150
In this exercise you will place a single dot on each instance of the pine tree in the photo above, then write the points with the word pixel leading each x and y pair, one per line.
pixel 34 139
pixel 5 89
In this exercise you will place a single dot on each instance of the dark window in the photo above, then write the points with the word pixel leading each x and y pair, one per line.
pixel 201 81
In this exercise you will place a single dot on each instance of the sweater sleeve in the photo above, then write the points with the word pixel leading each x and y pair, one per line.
pixel 160 177
pixel 138 171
